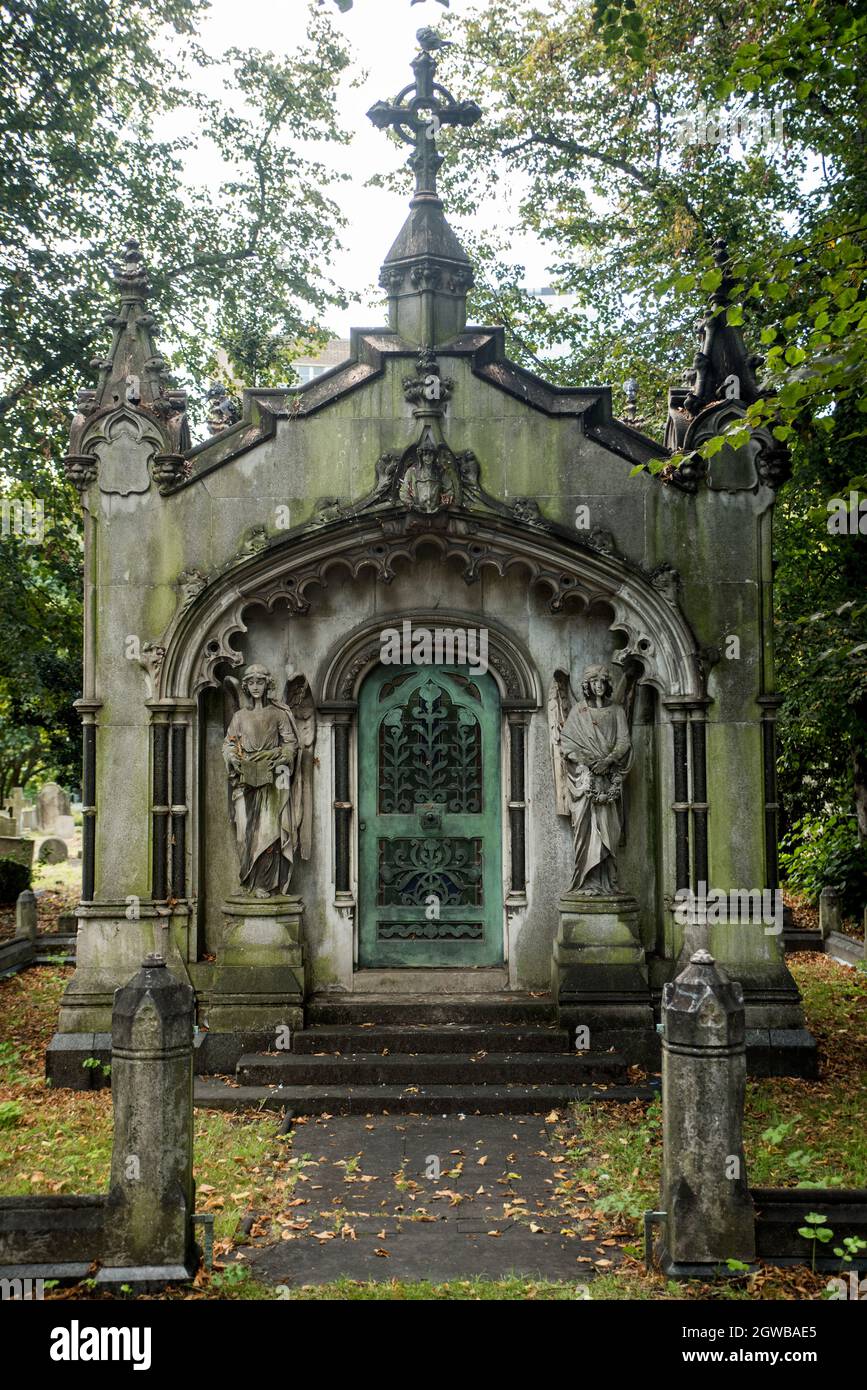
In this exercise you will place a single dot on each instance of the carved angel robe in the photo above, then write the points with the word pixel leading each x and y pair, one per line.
pixel 265 804
pixel 592 733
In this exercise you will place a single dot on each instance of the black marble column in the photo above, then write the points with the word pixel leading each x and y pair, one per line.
pixel 697 730
pixel 88 789
pixel 179 809
pixel 342 805
pixel 160 808
pixel 681 799
pixel 517 803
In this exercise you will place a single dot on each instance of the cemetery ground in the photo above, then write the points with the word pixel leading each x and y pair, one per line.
pixel 333 1195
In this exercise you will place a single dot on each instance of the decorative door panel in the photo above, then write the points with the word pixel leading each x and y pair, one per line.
pixel 429 820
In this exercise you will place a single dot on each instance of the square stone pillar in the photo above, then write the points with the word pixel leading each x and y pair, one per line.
pixel 149 1213
pixel 709 1216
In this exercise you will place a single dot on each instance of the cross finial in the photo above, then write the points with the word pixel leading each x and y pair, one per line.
pixel 420 110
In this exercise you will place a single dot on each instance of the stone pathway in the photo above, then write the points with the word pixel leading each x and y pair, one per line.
pixel 428 1197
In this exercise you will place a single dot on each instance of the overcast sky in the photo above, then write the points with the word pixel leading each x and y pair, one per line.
pixel 382 36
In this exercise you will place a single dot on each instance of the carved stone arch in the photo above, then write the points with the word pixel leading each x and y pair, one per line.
pixel 575 576
pixel 350 660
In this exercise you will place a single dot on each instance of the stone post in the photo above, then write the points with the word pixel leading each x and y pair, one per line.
pixel 25 916
pixel 830 915
pixel 149 1231
pixel 709 1216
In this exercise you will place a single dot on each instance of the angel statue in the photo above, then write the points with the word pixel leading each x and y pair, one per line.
pixel 268 752
pixel 592 753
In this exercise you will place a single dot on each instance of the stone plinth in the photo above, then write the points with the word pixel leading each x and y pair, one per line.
pixel 704 1192
pixel 152 1197
pixel 599 973
pixel 258 981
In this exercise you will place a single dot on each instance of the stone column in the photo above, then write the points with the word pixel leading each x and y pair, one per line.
pixel 25 916
pixel 151 1198
pixel 830 914
pixel 709 1212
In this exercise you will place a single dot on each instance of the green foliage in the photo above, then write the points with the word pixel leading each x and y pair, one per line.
pixel 825 852
pixel 88 92
pixel 815 1231
pixel 584 107
pixel 10 1113
pixel 14 878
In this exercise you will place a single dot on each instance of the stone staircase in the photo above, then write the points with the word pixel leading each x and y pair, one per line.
pixel 460 1054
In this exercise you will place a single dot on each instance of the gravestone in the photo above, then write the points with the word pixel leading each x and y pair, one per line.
pixel 830 914
pixel 51 802
pixel 53 850
pixel 65 827
pixel 8 825
pixel 25 915
pixel 15 847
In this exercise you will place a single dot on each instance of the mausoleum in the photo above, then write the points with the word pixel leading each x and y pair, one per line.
pixel 413 684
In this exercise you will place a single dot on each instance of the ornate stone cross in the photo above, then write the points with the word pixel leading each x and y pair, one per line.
pixel 420 110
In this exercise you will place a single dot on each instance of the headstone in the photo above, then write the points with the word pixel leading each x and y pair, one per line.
pixel 13 847
pixel 27 819
pixel 8 825
pixel 65 827
pixel 17 804
pixel 53 850
pixel 151 1197
pixel 830 913
pixel 25 915
pixel 709 1216
pixel 49 806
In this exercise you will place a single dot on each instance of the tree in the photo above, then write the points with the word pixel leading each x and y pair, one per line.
pixel 607 119
pixel 88 89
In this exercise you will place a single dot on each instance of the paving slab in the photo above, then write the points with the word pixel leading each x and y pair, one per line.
pixel 431 1197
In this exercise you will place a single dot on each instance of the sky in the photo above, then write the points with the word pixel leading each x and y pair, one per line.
pixel 382 36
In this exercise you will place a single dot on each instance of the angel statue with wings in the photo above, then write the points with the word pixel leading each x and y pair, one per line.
pixel 592 753
pixel 268 752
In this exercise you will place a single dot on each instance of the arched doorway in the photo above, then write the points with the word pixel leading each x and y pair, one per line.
pixel 430 818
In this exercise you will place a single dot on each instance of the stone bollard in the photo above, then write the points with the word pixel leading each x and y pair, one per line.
pixel 830 915
pixel 709 1216
pixel 25 916
pixel 149 1228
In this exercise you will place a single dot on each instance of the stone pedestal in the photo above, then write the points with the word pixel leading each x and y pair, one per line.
pixel 709 1216
pixel 599 973
pixel 149 1213
pixel 258 981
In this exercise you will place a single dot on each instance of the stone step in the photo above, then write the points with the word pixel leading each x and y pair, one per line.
pixel 214 1094
pixel 434 1069
pixel 459 1037
pixel 503 1008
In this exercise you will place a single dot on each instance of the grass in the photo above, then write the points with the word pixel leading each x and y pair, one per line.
pixel 810 1132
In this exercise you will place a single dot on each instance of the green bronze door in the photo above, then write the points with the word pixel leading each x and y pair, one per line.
pixel 430 880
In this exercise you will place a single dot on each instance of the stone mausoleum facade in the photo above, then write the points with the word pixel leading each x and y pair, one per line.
pixel 408 684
